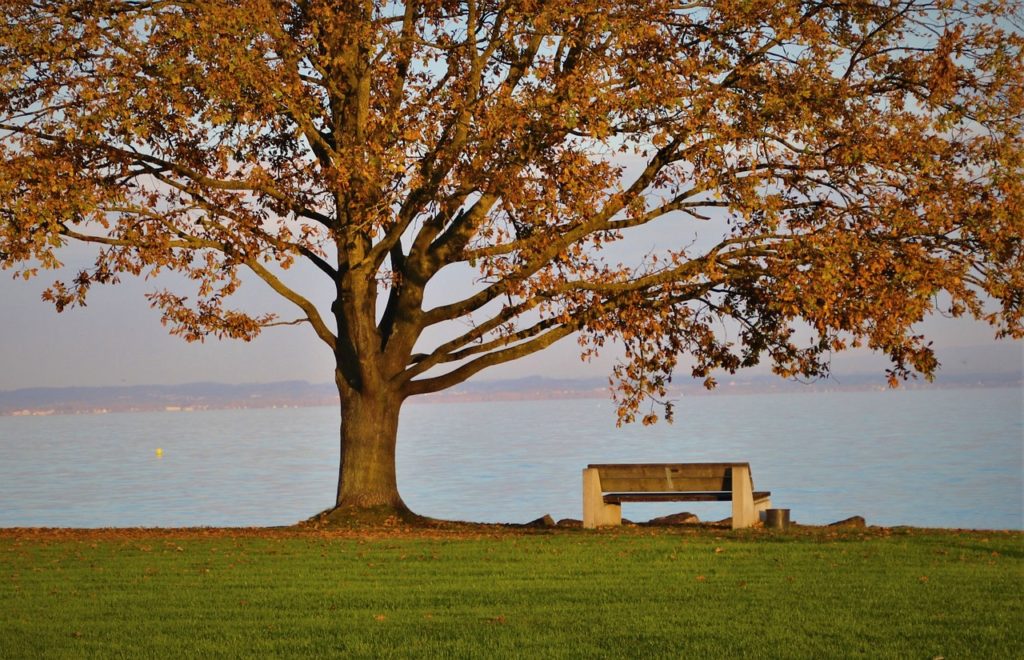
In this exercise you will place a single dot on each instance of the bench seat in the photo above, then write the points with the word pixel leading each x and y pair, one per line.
pixel 719 496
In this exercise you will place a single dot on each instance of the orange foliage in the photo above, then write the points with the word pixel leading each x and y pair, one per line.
pixel 845 165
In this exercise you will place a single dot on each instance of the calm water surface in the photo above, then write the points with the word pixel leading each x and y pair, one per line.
pixel 949 458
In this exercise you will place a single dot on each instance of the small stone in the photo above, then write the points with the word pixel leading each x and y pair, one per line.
pixel 544 521
pixel 682 518
pixel 853 521
pixel 570 522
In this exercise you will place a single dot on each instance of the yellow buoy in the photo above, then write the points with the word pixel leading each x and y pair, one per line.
pixel 159 452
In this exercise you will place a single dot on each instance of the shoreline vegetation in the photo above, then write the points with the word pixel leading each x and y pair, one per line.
pixel 191 397
pixel 480 590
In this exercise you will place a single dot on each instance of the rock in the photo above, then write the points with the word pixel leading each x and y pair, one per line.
pixel 854 521
pixel 682 518
pixel 570 522
pixel 544 521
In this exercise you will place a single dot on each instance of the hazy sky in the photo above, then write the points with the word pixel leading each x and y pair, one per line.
pixel 118 339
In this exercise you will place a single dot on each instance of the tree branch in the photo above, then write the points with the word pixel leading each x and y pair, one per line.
pixel 310 310
pixel 462 373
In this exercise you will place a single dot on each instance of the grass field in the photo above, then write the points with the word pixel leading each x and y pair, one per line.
pixel 499 593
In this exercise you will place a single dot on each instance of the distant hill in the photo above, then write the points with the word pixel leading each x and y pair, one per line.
pixel 188 396
pixel 211 396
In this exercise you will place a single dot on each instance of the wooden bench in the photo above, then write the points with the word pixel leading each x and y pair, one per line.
pixel 606 487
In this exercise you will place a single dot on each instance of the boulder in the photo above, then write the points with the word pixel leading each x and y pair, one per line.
pixel 570 522
pixel 682 518
pixel 853 521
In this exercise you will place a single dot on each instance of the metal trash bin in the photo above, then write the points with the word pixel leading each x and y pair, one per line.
pixel 776 519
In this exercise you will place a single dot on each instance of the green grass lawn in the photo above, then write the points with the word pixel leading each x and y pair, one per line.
pixel 631 593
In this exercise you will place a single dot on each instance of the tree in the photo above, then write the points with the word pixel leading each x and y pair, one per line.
pixel 803 177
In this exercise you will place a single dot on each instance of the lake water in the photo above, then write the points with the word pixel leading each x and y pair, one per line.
pixel 948 458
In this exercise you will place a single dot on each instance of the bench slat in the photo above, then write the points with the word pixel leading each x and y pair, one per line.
pixel 687 468
pixel 664 483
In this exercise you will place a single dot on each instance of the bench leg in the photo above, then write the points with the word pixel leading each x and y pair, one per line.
pixel 595 512
pixel 743 513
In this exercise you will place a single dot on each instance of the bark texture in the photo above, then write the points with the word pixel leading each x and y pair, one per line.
pixel 369 431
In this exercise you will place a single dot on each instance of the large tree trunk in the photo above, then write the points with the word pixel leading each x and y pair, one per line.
pixel 369 430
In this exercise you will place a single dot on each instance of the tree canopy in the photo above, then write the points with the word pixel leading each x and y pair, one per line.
pixel 737 181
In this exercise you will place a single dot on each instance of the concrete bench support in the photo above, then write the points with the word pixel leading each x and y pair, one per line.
pixel 743 514
pixel 596 513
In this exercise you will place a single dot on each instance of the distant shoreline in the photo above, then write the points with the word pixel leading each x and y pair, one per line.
pixel 192 397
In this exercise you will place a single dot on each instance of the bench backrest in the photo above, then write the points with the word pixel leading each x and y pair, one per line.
pixel 666 477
